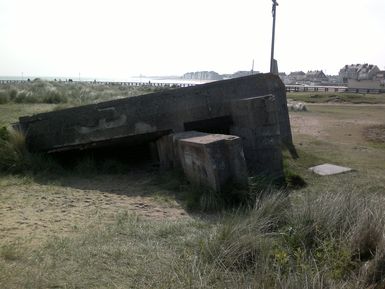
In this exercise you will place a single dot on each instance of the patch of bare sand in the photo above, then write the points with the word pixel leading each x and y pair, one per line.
pixel 375 133
pixel 36 211
pixel 347 129
pixel 301 123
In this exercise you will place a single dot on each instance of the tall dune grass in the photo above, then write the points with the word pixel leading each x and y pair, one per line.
pixel 330 241
pixel 15 158
pixel 55 92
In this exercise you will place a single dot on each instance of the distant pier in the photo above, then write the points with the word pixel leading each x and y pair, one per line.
pixel 117 83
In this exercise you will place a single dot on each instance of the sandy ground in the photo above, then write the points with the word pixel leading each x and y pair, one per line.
pixel 347 123
pixel 33 209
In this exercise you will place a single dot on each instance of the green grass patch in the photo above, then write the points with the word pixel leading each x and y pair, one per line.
pixel 338 97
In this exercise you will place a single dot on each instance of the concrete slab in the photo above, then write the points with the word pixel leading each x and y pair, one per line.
pixel 329 169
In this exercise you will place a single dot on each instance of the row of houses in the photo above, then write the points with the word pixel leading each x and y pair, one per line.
pixel 363 76
pixel 354 76
pixel 316 77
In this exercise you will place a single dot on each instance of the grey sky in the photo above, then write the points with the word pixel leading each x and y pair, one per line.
pixel 119 39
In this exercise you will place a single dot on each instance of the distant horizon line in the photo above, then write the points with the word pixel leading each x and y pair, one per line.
pixel 22 76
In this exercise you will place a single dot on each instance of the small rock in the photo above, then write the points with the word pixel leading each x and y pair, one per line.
pixel 329 169
pixel 296 106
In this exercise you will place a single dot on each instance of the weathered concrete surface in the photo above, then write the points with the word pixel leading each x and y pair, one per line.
pixel 145 118
pixel 168 148
pixel 215 161
pixel 256 121
pixel 329 169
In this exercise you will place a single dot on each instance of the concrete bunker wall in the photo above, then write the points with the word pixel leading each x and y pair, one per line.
pixel 146 118
pixel 256 121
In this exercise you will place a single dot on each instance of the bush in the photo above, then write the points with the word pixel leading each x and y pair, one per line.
pixel 24 97
pixel 15 158
pixel 54 97
pixel 12 151
pixel 13 94
pixel 3 97
pixel 4 134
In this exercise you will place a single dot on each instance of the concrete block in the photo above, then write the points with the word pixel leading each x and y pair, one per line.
pixel 211 160
pixel 168 148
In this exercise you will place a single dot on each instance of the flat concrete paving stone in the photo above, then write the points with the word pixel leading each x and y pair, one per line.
pixel 329 169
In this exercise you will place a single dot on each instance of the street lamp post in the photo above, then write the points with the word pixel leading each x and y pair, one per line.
pixel 273 65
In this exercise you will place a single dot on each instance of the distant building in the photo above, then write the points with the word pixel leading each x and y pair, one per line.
pixel 202 75
pixel 380 76
pixel 296 76
pixel 335 80
pixel 316 77
pixel 362 76
pixel 358 72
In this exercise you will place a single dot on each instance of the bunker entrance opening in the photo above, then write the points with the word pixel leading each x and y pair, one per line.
pixel 109 158
pixel 125 152
pixel 218 125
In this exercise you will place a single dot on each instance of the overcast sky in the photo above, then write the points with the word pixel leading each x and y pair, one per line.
pixel 118 39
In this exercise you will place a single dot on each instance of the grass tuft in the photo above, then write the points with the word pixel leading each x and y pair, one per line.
pixel 12 151
pixel 375 133
pixel 11 252
pixel 15 158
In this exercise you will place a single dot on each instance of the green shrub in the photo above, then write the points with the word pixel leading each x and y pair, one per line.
pixel 12 152
pixel 3 97
pixel 54 97
pixel 22 97
pixel 15 158
pixel 13 94
pixel 4 134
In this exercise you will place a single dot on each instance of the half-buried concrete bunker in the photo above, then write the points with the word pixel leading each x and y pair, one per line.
pixel 253 108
